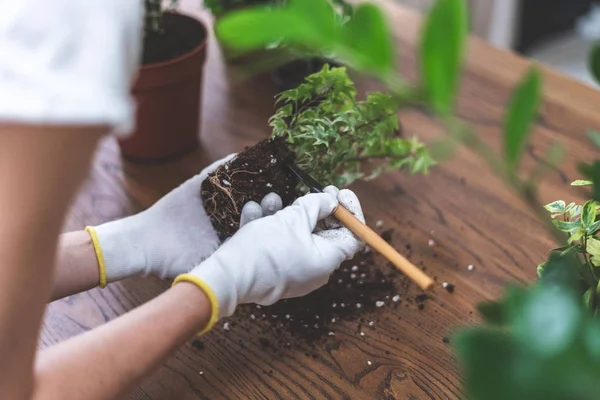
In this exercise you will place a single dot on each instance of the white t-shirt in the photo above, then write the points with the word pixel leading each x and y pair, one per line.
pixel 69 61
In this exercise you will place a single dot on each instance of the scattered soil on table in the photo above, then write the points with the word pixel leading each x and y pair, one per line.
pixel 356 292
pixel 254 173
pixel 179 36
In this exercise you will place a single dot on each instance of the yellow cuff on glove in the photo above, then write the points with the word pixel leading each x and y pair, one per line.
pixel 212 298
pixel 99 256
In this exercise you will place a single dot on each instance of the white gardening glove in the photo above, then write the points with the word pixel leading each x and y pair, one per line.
pixel 279 256
pixel 69 61
pixel 169 238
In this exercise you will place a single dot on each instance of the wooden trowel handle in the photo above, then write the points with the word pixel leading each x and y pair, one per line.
pixel 382 247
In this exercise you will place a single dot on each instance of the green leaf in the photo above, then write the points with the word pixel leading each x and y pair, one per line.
pixel 522 110
pixel 593 246
pixel 561 270
pixel 557 315
pixel 588 214
pixel 593 228
pixel 488 359
pixel 576 235
pixel 369 40
pixel 540 269
pixel 587 297
pixel 567 226
pixel 594 137
pixel 441 51
pixel 556 206
pixel 594 62
pixel 581 182
pixel 493 313
pixel 256 28
pixel 565 250
pixel 575 211
pixel 422 164
pixel 317 13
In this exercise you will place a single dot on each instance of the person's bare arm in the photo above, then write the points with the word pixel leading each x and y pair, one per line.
pixel 112 360
pixel 76 265
pixel 40 170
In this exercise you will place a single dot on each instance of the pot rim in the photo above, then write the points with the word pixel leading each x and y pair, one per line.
pixel 201 46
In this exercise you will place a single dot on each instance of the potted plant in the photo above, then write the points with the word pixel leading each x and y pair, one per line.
pixel 321 127
pixel 168 88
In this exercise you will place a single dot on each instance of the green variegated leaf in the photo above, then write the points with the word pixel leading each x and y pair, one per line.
pixel 578 234
pixel 540 269
pixel 595 260
pixel 556 206
pixel 567 226
pixel 593 228
pixel 593 246
pixel 588 214
pixel 581 182
pixel 575 211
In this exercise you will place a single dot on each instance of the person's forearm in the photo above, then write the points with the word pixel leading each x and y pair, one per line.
pixel 111 360
pixel 76 265
pixel 40 170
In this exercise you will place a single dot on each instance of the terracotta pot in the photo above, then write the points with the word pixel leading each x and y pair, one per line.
pixel 168 97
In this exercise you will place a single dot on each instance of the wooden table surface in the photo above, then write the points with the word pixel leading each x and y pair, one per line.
pixel 471 217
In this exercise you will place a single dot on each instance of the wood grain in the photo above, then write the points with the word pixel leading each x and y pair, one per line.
pixel 469 214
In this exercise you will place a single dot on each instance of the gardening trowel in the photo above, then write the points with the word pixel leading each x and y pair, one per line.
pixel 368 235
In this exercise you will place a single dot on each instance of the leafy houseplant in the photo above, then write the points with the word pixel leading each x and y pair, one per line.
pixel 325 130
pixel 580 224
pixel 168 87
pixel 539 342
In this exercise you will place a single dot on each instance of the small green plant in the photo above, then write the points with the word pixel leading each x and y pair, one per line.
pixel 334 135
pixel 581 225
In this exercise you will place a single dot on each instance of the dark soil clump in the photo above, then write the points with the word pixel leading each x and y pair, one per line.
pixel 254 173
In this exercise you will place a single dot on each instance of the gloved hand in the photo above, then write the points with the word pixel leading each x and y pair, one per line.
pixel 279 256
pixel 69 61
pixel 169 238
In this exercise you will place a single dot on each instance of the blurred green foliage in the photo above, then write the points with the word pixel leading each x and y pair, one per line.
pixel 314 27
pixel 538 343
pixel 441 53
